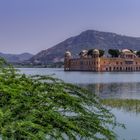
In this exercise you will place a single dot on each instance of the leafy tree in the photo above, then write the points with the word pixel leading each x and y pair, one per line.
pixel 138 53
pixel 114 52
pixel 90 52
pixel 101 53
pixel 43 107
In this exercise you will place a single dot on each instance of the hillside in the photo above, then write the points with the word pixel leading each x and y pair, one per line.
pixel 86 40
pixel 14 58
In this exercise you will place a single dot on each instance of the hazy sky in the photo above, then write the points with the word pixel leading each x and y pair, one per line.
pixel 34 25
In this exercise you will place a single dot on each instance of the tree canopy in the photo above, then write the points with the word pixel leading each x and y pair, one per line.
pixel 101 53
pixel 43 107
pixel 90 52
pixel 114 52
pixel 138 53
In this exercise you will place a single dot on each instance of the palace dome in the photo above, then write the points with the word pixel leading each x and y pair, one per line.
pixel 126 51
pixel 84 51
pixel 96 51
pixel 67 54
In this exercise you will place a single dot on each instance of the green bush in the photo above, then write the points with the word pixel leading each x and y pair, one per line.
pixel 42 107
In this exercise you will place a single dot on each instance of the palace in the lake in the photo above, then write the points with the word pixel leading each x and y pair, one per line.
pixel 126 61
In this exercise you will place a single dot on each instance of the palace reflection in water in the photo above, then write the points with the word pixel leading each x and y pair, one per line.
pixel 115 90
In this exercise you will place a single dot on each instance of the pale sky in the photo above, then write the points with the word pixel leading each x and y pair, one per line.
pixel 35 25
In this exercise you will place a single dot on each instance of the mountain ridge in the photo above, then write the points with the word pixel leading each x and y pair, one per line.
pixel 86 40
pixel 14 58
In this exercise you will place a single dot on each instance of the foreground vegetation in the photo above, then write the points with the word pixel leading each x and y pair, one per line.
pixel 129 105
pixel 42 107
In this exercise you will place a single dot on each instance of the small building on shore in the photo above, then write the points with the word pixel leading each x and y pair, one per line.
pixel 92 61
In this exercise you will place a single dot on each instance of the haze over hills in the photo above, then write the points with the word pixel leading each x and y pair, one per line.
pixel 14 58
pixel 86 40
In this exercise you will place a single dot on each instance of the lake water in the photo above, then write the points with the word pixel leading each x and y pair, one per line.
pixel 105 85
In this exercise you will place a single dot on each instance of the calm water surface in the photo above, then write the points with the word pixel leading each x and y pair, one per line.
pixel 106 85
pixel 86 77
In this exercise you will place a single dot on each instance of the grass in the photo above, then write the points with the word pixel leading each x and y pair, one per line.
pixel 129 105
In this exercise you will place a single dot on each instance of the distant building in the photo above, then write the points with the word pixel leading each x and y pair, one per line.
pixel 126 61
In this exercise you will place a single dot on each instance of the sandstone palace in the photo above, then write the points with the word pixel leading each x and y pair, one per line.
pixel 95 60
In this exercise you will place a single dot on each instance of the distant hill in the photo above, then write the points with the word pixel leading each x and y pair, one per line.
pixel 86 40
pixel 14 58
